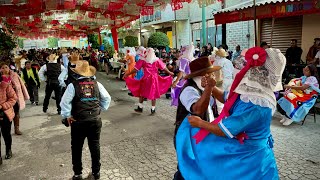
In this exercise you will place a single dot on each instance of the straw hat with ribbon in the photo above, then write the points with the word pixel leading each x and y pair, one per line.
pixel 84 69
pixel 200 67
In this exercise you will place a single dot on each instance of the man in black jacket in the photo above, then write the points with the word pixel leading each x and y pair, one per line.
pixel 50 73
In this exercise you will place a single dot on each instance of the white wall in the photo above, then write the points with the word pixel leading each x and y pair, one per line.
pixel 310 30
pixel 183 32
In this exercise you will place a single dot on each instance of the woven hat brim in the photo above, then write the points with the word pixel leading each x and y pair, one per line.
pixel 202 72
pixel 92 71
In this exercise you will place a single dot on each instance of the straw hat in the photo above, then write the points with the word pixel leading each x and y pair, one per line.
pixel 200 67
pixel 64 50
pixel 84 69
pixel 221 53
pixel 74 58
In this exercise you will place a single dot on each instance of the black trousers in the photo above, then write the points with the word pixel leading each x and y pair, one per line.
pixel 57 93
pixel 79 131
pixel 5 130
pixel 33 92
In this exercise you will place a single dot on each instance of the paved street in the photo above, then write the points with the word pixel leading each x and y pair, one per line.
pixel 136 146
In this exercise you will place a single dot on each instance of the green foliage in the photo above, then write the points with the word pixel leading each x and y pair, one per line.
pixel 158 39
pixel 131 41
pixel 52 42
pixel 7 43
pixel 108 47
pixel 93 38
pixel 20 42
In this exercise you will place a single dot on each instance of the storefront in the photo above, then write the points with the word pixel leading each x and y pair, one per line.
pixel 279 22
pixel 214 33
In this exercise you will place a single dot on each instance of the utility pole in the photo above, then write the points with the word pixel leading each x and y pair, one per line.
pixel 140 24
pixel 204 27
pixel 175 29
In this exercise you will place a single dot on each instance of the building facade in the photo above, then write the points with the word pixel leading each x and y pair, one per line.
pixel 188 22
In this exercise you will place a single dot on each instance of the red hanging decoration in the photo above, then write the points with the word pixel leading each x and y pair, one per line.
pixel 114 6
pixel 85 5
pixel 54 22
pixel 147 10
pixel 68 26
pixel 92 15
pixel 70 4
pixel 34 3
pixel 15 1
pixel 176 5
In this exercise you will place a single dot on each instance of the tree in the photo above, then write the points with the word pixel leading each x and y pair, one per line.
pixel 108 47
pixel 93 39
pixel 158 40
pixel 7 44
pixel 20 42
pixel 131 41
pixel 52 42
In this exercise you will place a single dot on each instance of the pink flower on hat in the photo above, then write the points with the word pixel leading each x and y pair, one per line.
pixel 256 56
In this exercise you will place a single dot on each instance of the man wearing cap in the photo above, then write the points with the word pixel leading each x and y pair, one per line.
pixel 50 73
pixel 81 105
pixel 194 98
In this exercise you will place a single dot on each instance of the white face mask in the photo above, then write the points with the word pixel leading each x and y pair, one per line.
pixel 197 80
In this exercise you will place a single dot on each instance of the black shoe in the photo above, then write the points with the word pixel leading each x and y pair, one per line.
pixel 153 111
pixel 59 112
pixel 130 94
pixel 96 175
pixel 44 110
pixel 8 154
pixel 138 109
pixel 37 103
pixel 54 98
pixel 0 161
pixel 32 102
pixel 77 177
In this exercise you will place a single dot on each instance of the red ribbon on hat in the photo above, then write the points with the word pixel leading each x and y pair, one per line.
pixel 255 57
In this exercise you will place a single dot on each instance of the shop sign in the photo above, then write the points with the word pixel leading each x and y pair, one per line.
pixel 269 11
